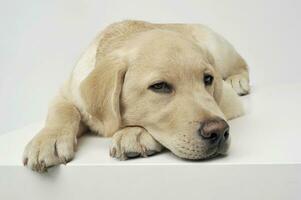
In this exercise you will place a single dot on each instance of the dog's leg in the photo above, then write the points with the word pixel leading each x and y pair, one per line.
pixel 131 142
pixel 232 66
pixel 55 143
pixel 234 70
pixel 240 83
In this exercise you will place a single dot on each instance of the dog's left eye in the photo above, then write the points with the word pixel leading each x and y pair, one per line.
pixel 208 79
pixel 161 87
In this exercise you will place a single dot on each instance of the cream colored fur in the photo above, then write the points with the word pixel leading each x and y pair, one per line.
pixel 108 93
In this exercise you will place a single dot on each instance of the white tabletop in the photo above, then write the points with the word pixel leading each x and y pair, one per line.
pixel 269 133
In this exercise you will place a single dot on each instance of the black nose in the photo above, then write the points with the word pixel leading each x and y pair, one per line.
pixel 214 130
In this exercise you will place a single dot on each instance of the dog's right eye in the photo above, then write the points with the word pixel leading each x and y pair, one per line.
pixel 161 87
pixel 208 79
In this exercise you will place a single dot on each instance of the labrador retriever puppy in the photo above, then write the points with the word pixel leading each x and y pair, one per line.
pixel 147 86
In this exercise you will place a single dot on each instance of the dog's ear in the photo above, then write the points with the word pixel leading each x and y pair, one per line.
pixel 101 92
pixel 230 103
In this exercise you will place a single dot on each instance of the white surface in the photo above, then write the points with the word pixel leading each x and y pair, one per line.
pixel 40 41
pixel 155 182
pixel 264 162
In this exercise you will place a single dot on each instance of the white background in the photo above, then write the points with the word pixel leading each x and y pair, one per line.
pixel 40 41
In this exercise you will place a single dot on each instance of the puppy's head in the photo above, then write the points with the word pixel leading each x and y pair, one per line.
pixel 171 89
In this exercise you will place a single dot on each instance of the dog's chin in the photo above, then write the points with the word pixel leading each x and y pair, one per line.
pixel 194 155
pixel 202 153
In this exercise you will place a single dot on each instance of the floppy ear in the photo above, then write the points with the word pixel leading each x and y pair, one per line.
pixel 101 93
pixel 224 94
pixel 230 103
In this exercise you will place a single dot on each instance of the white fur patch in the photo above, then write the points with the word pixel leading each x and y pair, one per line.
pixel 83 68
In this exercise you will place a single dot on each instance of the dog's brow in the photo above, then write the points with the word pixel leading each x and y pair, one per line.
pixel 160 76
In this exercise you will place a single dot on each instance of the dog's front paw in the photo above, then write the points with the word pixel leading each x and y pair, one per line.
pixel 240 83
pixel 49 148
pixel 133 142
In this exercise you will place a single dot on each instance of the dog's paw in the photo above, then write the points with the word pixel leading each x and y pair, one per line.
pixel 132 142
pixel 240 83
pixel 49 148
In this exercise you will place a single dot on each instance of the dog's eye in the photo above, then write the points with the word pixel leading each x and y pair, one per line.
pixel 208 79
pixel 161 87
